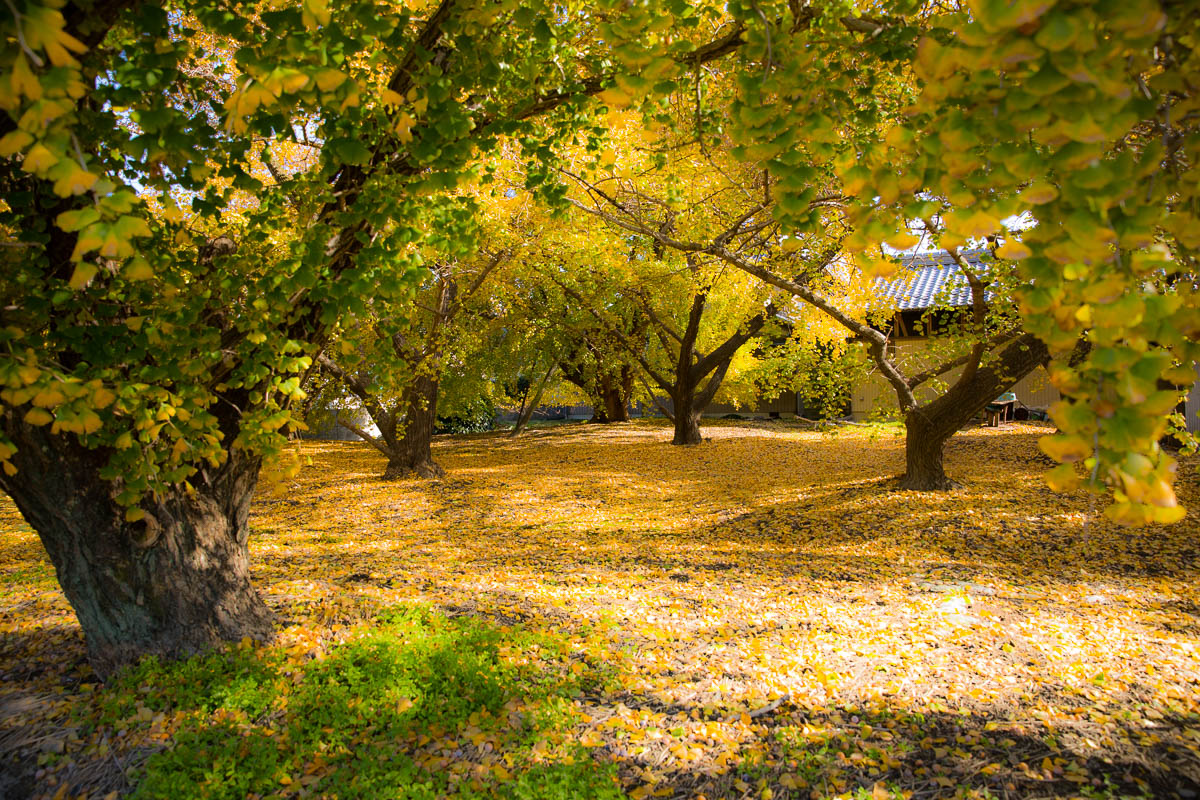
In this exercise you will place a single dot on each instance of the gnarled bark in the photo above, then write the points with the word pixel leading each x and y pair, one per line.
pixel 172 584
pixel 924 444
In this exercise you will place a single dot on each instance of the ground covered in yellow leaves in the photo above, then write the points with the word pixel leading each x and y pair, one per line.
pixel 589 611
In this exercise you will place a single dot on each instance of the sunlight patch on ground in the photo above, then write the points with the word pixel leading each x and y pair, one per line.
pixel 752 602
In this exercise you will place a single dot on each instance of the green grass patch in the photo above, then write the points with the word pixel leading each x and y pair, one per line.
pixel 420 706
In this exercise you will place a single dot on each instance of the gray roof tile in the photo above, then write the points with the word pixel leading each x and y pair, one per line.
pixel 930 279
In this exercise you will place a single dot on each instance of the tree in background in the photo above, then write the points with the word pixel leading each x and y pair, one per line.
pixel 394 366
pixel 585 354
pixel 822 371
pixel 597 366
pixel 695 321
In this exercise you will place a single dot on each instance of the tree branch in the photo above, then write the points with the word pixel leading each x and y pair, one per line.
pixel 921 377
pixel 620 336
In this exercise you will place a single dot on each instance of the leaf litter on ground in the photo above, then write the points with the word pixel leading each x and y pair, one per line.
pixel 590 611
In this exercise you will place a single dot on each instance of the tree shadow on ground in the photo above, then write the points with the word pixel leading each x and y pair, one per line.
pixel 800 752
pixel 35 724
pixel 425 705
pixel 588 485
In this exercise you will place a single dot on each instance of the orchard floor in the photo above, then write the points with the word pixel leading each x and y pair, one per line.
pixel 599 612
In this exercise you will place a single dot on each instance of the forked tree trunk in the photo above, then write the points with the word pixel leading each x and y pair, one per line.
pixel 412 454
pixel 533 402
pixel 172 584
pixel 928 427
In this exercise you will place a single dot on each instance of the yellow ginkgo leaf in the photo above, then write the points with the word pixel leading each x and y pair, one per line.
pixel 1064 448
pixel 39 160
pixel 973 226
pixel 73 179
pixel 38 416
pixel 903 241
pixel 1039 193
pixel 403 125
pixel 14 142
pixel 615 97
pixel 1013 250
pixel 137 269
pixel 330 79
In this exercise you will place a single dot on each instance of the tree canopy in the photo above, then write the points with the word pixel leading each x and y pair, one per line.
pixel 199 196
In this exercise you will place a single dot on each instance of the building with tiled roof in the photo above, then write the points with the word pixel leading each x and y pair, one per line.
pixel 934 280
pixel 927 280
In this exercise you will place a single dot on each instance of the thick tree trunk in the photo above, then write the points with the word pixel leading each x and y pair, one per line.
pixel 172 584
pixel 923 445
pixel 609 393
pixel 615 396
pixel 626 389
pixel 687 428
pixel 687 420
pixel 412 454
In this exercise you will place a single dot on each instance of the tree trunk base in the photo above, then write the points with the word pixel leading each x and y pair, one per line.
pixel 687 428
pixel 428 470
pixel 928 483
pixel 235 619
pixel 172 584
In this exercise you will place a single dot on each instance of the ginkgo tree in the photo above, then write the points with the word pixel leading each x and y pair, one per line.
pixel 595 362
pixel 696 329
pixel 148 370
pixel 1079 115
pixel 392 361
pixel 681 319
pixel 587 356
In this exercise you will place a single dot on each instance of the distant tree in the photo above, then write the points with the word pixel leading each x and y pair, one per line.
pixel 696 324
pixel 394 366
pixel 823 372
